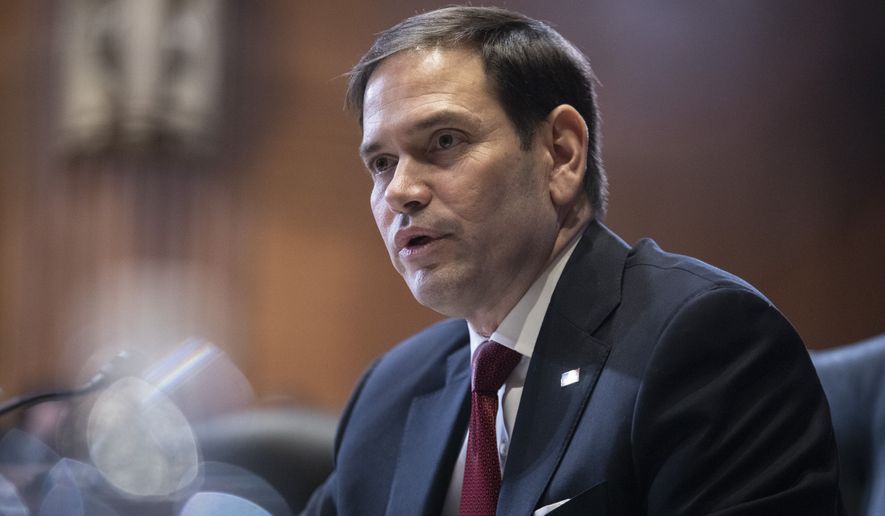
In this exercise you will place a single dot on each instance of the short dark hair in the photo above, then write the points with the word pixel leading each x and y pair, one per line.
pixel 532 69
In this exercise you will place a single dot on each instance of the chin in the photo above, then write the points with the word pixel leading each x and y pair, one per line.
pixel 440 296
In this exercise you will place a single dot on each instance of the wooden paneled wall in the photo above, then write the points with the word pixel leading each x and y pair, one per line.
pixel 749 135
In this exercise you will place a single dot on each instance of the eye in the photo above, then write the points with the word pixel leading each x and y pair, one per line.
pixel 381 164
pixel 445 140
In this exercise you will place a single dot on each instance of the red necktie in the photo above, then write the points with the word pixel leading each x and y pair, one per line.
pixel 492 365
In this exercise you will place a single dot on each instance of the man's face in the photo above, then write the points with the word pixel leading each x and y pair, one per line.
pixel 464 211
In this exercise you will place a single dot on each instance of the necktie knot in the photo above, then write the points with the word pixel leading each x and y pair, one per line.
pixel 492 364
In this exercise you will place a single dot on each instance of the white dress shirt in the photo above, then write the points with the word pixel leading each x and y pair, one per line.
pixel 519 330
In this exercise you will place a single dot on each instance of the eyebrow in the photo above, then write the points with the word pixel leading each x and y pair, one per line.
pixel 443 117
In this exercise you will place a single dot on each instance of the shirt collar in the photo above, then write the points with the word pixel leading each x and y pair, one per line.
pixel 520 328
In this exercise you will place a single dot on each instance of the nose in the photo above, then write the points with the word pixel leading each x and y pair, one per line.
pixel 407 191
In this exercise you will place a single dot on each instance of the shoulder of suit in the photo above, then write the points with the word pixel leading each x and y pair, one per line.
pixel 648 259
pixel 432 344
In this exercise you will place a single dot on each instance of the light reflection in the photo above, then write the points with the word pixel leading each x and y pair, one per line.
pixel 17 447
pixel 82 483
pixel 201 380
pixel 140 441
pixel 220 504
pixel 143 456
pixel 187 361
pixel 62 500
pixel 10 502
pixel 220 477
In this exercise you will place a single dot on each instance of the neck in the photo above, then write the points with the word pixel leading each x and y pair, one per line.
pixel 572 223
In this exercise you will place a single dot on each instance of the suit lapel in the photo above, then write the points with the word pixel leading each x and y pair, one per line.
pixel 432 439
pixel 587 292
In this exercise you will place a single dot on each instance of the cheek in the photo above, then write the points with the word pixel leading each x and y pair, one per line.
pixel 493 195
pixel 383 219
pixel 376 204
pixel 472 196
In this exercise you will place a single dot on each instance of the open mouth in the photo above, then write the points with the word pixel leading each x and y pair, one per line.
pixel 418 241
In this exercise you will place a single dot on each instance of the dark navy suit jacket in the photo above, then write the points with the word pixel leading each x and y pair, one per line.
pixel 695 396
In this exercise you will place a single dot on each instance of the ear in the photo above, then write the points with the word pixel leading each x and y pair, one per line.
pixel 567 145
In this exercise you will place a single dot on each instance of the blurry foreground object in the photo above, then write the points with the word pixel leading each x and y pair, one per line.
pixel 101 379
pixel 144 450
pixel 140 441
pixel 221 504
pixel 853 378
pixel 135 72
pixel 290 447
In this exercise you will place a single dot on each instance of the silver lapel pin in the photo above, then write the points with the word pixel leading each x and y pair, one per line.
pixel 569 377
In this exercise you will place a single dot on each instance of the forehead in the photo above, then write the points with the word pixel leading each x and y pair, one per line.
pixel 417 83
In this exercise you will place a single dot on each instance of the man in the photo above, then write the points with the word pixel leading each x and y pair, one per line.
pixel 641 382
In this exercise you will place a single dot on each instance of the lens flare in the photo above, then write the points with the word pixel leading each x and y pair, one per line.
pixel 140 441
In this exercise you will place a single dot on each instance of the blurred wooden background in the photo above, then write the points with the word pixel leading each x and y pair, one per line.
pixel 749 134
